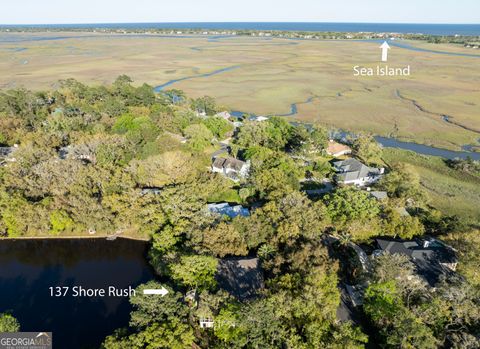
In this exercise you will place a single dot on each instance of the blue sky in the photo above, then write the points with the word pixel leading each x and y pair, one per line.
pixel 111 11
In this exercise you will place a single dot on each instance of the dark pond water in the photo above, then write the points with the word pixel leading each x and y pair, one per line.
pixel 29 267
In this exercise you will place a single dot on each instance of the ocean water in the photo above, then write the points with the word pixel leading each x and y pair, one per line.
pixel 433 29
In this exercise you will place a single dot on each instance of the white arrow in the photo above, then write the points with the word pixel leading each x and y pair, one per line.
pixel 162 292
pixel 385 47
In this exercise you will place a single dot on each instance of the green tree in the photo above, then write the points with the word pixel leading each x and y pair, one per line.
pixel 285 220
pixel 218 126
pixel 60 222
pixel 382 302
pixel 274 133
pixel 172 167
pixel 195 271
pixel 139 129
pixel 350 204
pixel 309 140
pixel 345 335
pixel 398 325
pixel 169 335
pixel 224 239
pixel 274 183
pixel 205 105
pixel 467 245
pixel 258 326
pixel 394 224
pixel 404 183
pixel 367 149
pixel 8 323
pixel 226 328
pixel 149 309
pixel 199 136
pixel 399 268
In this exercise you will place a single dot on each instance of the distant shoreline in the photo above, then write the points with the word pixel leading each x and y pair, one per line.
pixel 311 27
pixel 103 237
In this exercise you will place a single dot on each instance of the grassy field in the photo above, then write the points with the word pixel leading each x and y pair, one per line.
pixel 450 191
pixel 270 75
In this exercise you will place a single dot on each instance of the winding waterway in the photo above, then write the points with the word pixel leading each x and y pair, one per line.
pixel 29 267
pixel 384 141
pixel 159 88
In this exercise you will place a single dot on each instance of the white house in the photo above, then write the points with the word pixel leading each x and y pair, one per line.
pixel 352 171
pixel 206 322
pixel 231 168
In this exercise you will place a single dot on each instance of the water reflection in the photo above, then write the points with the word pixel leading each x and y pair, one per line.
pixel 29 267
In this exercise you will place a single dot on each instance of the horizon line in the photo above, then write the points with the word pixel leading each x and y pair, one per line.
pixel 232 22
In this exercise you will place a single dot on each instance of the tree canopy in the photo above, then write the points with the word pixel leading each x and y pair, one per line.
pixel 121 158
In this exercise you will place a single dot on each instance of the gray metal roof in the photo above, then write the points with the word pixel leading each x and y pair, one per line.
pixel 351 169
pixel 427 257
pixel 228 163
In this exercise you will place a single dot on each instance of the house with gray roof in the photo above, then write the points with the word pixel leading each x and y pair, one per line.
pixel 352 171
pixel 231 168
pixel 432 258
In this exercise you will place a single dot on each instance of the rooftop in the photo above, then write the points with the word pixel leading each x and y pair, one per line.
pixel 351 169
pixel 241 277
pixel 337 148
pixel 229 163
pixel 225 208
pixel 429 255
pixel 419 249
